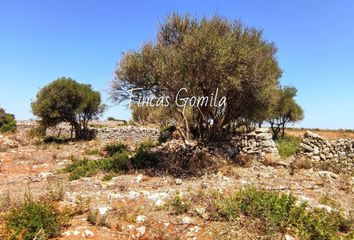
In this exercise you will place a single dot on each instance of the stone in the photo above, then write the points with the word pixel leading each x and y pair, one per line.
pixel 139 178
pixel 6 142
pixel 140 219
pixel 339 153
pixel 140 231
pixel 306 147
pixel 288 237
pixel 325 207
pixel 316 150
pixel 103 210
pixel 178 181
pixel 45 175
pixel 187 220
pixel 88 233
pixel 327 174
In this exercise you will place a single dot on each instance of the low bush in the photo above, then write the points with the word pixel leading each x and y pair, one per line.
pixel 288 145
pixel 144 158
pixel 33 218
pixel 166 133
pixel 37 132
pixel 178 204
pixel 87 168
pixel 7 121
pixel 118 159
pixel 96 219
pixel 108 177
pixel 280 213
pixel 114 148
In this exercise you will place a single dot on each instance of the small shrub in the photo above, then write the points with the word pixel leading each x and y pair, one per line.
pixel 56 190
pixel 92 217
pixel 114 148
pixel 143 157
pixel 168 128
pixel 166 133
pixel 82 168
pixel 87 168
pixel 117 163
pixel 178 204
pixel 108 177
pixel 81 205
pixel 288 145
pixel 147 144
pixel 31 217
pixel 279 213
pixel 92 151
pixel 37 132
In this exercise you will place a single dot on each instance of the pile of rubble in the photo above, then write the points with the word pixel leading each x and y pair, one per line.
pixel 178 156
pixel 6 142
pixel 338 154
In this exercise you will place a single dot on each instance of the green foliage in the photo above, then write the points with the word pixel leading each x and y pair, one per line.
pixel 7 121
pixel 286 110
pixel 279 212
pixel 96 219
pixel 87 168
pixel 178 204
pixel 113 148
pixel 38 132
pixel 145 158
pixel 288 145
pixel 145 114
pixel 204 55
pixel 166 133
pixel 92 151
pixel 168 128
pixel 108 177
pixel 92 217
pixel 118 159
pixel 65 100
pixel 119 121
pixel 30 217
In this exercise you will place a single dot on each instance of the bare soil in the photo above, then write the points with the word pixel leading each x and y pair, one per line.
pixel 34 169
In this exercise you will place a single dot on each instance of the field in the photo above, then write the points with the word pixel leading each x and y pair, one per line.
pixel 328 134
pixel 142 204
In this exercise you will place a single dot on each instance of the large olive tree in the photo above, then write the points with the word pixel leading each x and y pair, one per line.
pixel 65 100
pixel 204 56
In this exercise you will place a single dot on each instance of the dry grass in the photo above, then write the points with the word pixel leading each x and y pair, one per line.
pixel 243 160
pixel 301 163
pixel 328 134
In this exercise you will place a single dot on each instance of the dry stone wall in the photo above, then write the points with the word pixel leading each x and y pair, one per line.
pixel 258 142
pixel 338 154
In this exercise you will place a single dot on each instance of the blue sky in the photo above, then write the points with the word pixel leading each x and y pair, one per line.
pixel 42 40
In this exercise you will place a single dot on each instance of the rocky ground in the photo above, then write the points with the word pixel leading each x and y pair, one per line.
pixel 132 205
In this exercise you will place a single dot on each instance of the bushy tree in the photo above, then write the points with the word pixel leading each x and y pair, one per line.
pixel 286 110
pixel 7 121
pixel 204 56
pixel 65 100
pixel 162 116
